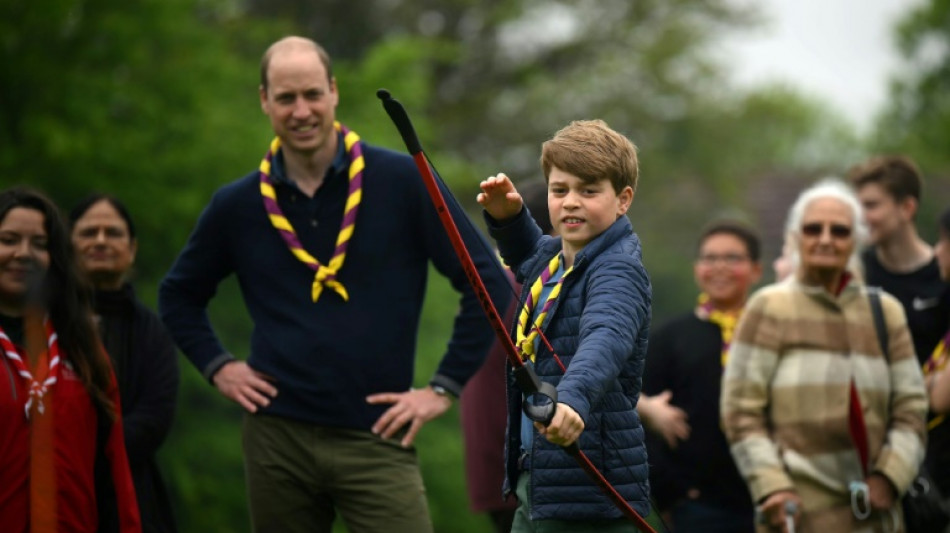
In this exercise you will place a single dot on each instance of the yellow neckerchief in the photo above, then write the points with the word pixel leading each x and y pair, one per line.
pixel 726 320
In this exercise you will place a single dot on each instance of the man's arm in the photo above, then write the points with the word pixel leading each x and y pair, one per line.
pixel 183 301
pixel 472 335
pixel 148 421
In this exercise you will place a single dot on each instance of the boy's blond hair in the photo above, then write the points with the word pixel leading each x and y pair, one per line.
pixel 592 151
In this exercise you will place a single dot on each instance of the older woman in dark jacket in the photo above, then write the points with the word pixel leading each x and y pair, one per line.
pixel 142 353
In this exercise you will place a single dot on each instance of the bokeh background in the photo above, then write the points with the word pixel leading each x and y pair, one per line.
pixel 155 101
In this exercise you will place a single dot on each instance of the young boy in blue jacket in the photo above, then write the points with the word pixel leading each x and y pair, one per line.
pixel 587 297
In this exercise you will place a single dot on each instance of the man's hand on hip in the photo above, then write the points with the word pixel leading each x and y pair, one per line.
pixel 417 406
pixel 246 386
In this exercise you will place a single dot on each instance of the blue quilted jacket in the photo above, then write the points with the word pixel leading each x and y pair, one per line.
pixel 599 329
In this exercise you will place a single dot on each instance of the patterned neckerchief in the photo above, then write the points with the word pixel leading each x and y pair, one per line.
pixel 524 336
pixel 726 320
pixel 326 276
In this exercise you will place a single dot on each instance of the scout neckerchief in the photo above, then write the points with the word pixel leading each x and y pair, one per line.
pixel 524 337
pixel 936 362
pixel 48 365
pixel 325 275
pixel 726 320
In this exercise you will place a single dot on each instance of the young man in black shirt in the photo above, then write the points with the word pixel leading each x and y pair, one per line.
pixel 903 264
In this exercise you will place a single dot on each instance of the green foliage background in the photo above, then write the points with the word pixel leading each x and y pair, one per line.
pixel 155 101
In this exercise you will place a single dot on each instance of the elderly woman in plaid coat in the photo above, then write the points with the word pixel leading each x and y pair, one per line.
pixel 827 429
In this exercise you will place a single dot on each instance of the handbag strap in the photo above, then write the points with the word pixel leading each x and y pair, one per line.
pixel 874 296
pixel 856 424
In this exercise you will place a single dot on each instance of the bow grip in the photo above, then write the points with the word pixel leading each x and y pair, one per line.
pixel 540 398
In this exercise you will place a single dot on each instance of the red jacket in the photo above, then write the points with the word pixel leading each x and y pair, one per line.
pixel 75 426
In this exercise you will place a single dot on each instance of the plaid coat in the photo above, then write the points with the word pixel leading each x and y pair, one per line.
pixel 785 399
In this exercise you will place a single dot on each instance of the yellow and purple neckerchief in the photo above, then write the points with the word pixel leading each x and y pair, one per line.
pixel 937 362
pixel 524 338
pixel 325 275
pixel 726 320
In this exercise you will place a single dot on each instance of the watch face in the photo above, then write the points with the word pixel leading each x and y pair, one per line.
pixel 440 390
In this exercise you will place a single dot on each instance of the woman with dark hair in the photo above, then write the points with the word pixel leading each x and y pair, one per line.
pixel 62 459
pixel 141 351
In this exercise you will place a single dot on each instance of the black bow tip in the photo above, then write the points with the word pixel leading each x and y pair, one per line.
pixel 383 95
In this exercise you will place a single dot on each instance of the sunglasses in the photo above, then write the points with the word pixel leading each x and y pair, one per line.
pixel 815 229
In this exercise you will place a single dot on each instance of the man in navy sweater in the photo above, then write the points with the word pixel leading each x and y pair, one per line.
pixel 330 241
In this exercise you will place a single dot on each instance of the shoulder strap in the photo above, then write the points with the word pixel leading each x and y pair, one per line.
pixel 874 295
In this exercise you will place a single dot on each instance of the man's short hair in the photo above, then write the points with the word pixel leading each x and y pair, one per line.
pixel 296 42
pixel 738 229
pixel 896 174
pixel 592 151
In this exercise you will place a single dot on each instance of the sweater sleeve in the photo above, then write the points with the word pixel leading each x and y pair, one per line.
pixel 126 504
pixel 517 239
pixel 472 334
pixel 148 422
pixel 753 358
pixel 904 446
pixel 191 283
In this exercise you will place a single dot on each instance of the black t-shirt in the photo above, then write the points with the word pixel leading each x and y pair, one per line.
pixel 685 356
pixel 925 297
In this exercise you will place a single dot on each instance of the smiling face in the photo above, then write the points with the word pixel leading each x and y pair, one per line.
pixel 300 100
pixel 23 254
pixel 104 246
pixel 582 211
pixel 826 237
pixel 725 271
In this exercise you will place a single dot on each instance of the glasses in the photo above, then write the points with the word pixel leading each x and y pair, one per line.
pixel 815 229
pixel 728 259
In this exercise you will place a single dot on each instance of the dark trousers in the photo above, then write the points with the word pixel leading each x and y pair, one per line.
pixel 300 475
pixel 524 524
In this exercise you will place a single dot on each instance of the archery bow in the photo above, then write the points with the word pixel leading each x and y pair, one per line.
pixel 540 397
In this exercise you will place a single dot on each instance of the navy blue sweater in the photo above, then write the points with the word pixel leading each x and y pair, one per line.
pixel 329 355
pixel 598 327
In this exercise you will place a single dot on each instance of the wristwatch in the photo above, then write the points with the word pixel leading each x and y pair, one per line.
pixel 441 391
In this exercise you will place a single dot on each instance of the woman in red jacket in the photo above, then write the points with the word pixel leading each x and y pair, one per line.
pixel 62 459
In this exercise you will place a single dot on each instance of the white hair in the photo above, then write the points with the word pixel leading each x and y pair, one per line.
pixel 836 189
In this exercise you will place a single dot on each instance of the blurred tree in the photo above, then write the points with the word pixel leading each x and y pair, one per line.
pixel 149 99
pixel 155 101
pixel 918 117
pixel 916 121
